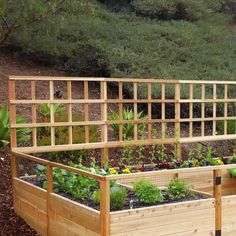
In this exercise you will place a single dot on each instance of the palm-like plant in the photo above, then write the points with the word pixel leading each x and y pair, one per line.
pixel 22 133
pixel 128 128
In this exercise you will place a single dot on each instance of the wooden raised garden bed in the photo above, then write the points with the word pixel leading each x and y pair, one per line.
pixel 57 214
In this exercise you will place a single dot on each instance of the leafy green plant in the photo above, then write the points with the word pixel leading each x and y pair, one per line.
pixel 147 192
pixel 117 197
pixel 199 151
pixel 162 157
pixel 23 134
pixel 232 160
pixel 78 186
pixel 208 160
pixel 126 155
pixel 128 129
pixel 178 189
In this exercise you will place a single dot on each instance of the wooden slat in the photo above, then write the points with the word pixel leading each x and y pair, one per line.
pixel 225 109
pixel 149 110
pixel 191 110
pixel 214 111
pixel 166 219
pixel 120 111
pixel 203 110
pixel 104 138
pixel 135 88
pixel 72 218
pixel 69 97
pixel 34 113
pixel 52 115
pixel 86 111
pixel 163 111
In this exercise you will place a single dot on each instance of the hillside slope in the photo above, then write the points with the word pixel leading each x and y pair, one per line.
pixel 174 39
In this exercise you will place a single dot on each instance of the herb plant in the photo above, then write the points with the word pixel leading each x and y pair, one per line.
pixel 147 192
pixel 117 197
pixel 178 189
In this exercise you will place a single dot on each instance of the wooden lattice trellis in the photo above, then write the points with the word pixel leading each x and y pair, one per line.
pixel 211 98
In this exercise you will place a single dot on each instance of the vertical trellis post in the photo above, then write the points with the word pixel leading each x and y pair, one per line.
pixel 70 120
pixel 52 117
pixel 149 110
pixel 86 110
pixel 214 111
pixel 135 111
pixel 13 132
pixel 163 111
pixel 225 108
pixel 177 118
pixel 203 110
pixel 34 113
pixel 120 111
pixel 105 150
pixel 191 110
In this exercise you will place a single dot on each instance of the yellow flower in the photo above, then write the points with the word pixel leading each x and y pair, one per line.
pixel 113 171
pixel 126 170
pixel 219 162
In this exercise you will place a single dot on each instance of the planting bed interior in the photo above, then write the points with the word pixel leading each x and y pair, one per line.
pixel 132 186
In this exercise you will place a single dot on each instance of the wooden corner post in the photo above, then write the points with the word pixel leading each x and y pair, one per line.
pixel 13 132
pixel 218 202
pixel 105 207
pixel 49 191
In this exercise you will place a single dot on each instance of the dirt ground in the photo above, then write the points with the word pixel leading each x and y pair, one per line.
pixel 10 223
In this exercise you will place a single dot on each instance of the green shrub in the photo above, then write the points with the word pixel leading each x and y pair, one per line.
pixel 190 10
pixel 125 45
pixel 117 197
pixel 178 189
pixel 128 129
pixel 23 134
pixel 147 192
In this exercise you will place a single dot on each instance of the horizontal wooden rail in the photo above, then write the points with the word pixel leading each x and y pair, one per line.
pixel 58 165
pixel 96 79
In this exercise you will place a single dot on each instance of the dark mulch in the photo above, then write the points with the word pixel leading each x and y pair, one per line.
pixel 130 197
pixel 10 223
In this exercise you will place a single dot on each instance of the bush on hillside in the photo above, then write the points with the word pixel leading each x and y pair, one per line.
pixel 89 39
